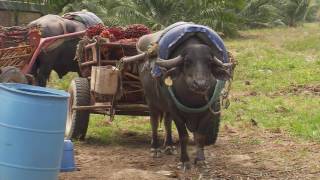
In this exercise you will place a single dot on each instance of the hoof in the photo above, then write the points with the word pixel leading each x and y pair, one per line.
pixel 155 152
pixel 170 150
pixel 201 163
pixel 204 170
pixel 204 177
pixel 185 166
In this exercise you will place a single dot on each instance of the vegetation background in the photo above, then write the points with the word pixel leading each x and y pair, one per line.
pixel 226 16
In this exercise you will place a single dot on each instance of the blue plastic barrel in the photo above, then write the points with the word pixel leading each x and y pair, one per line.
pixel 32 125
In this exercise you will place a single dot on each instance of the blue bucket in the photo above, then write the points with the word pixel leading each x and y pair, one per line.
pixel 32 125
pixel 67 162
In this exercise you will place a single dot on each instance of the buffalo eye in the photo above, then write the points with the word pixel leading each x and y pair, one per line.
pixel 187 62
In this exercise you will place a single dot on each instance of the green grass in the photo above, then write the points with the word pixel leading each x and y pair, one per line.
pixel 64 83
pixel 272 60
pixel 300 114
pixel 123 126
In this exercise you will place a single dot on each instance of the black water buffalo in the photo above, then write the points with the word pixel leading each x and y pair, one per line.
pixel 60 55
pixel 194 69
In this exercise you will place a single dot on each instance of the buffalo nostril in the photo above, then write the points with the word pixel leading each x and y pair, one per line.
pixel 200 84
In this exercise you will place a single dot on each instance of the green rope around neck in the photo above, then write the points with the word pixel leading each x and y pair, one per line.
pixel 216 94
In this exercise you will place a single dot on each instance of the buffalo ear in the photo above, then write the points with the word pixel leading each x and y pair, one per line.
pixel 219 70
pixel 221 73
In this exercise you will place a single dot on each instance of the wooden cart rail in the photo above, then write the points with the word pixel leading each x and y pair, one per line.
pixel 45 43
pixel 95 47
pixel 108 106
pixel 15 56
pixel 24 53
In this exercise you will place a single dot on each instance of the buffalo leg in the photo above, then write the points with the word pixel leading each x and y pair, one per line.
pixel 43 68
pixel 43 73
pixel 154 120
pixel 184 138
pixel 168 142
pixel 200 141
pixel 200 162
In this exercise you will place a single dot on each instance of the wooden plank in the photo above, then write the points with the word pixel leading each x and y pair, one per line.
pixel 119 107
pixel 132 75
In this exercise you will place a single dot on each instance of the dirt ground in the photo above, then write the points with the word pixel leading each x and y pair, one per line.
pixel 240 153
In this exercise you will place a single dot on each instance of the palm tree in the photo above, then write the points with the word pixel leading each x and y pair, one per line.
pixel 294 11
pixel 157 14
pixel 313 10
pixel 221 15
pixel 259 13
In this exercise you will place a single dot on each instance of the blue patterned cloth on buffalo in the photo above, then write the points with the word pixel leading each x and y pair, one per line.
pixel 87 18
pixel 177 33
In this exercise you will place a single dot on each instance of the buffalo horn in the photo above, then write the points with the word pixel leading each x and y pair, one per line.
pixel 217 61
pixel 170 63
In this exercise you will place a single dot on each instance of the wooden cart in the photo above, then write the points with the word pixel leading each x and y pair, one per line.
pixel 128 97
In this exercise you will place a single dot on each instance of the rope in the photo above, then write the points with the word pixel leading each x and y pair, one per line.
pixel 216 94
pixel 225 102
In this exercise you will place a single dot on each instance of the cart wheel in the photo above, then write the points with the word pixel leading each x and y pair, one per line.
pixel 12 74
pixel 77 121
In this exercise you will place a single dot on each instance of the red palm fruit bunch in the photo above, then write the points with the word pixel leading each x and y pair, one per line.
pixel 1 41
pixel 2 34
pixel 128 41
pixel 107 34
pixel 136 31
pixel 118 32
pixel 95 30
